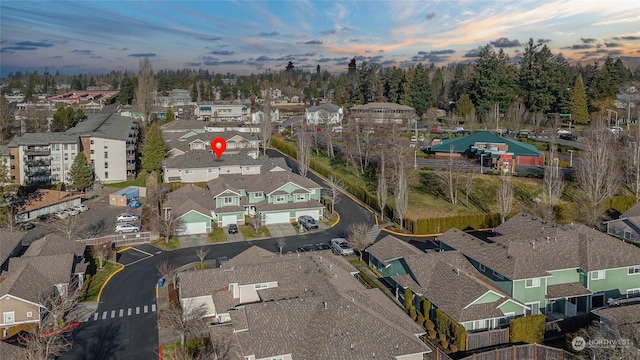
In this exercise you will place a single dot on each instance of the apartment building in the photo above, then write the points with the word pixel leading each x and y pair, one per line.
pixel 208 111
pixel 42 158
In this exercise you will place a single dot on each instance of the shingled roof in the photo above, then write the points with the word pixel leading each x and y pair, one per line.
pixel 55 244
pixel 10 240
pixel 266 182
pixel 464 143
pixel 190 197
pixel 390 248
pixel 529 247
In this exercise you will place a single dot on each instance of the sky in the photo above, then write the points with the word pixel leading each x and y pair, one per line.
pixel 244 37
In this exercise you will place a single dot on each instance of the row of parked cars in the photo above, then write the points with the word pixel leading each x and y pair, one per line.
pixel 72 211
pixel 339 246
pixel 127 223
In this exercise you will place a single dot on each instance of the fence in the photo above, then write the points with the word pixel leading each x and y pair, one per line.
pixel 524 352
pixel 487 338
pixel 436 354
pixel 120 240
pixel 559 328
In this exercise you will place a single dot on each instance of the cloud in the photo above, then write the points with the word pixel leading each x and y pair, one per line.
pixel 443 51
pixel 273 33
pixel 121 49
pixel 212 38
pixel 588 40
pixel 544 41
pixel 143 55
pixel 55 57
pixel 630 37
pixel 505 43
pixel 83 52
pixel 473 53
pixel 328 32
pixel 192 64
pixel 578 47
pixel 221 52
pixel 311 42
pixel 33 44
pixel 430 16
pixel 17 48
pixel 612 44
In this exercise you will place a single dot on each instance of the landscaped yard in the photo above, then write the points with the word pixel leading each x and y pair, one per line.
pixel 249 232
pixel 174 243
pixel 218 235
pixel 98 278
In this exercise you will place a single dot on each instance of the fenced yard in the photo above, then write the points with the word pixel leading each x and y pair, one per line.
pixel 523 352
pixel 487 338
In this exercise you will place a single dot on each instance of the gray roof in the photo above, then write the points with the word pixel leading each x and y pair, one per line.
pixel 24 280
pixel 181 141
pixel 105 125
pixel 529 247
pixel 10 241
pixel 627 311
pixel 4 150
pixel 382 105
pixel 326 106
pixel 566 290
pixel 43 139
pixel 8 351
pixel 55 244
pixel 390 247
pixel 190 197
pixel 266 182
pixel 633 214
pixel 57 269
pixel 200 159
pixel 317 298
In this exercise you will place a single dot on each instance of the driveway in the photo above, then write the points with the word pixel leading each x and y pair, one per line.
pixel 281 230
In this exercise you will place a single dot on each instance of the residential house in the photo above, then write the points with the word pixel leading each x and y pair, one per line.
pixel 627 225
pixel 178 143
pixel 9 351
pixel 45 202
pixel 259 116
pixel 313 295
pixel 203 165
pixel 10 246
pixel 208 111
pixel 192 206
pixel 619 321
pixel 325 114
pixel 448 280
pixel 52 267
pixel 558 270
pixel 492 150
pixel 383 113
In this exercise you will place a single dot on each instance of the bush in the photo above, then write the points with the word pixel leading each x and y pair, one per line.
pixel 408 299
pixel 528 329
pixel 442 337
pixel 453 348
pixel 444 344
pixel 489 172
pixel 442 224
pixel 412 313
pixel 429 325
pixel 432 334
pixel 420 319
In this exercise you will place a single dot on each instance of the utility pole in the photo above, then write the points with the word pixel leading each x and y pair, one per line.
pixel 570 158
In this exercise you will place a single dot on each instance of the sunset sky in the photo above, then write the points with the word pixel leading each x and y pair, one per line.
pixel 245 37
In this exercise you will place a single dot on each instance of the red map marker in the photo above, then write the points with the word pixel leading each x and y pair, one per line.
pixel 218 146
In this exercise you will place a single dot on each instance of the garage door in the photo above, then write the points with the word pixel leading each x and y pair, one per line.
pixel 276 218
pixel 195 228
pixel 312 213
pixel 229 219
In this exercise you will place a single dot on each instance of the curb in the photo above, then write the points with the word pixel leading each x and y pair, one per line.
pixel 108 279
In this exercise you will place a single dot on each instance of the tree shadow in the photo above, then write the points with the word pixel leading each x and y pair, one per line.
pixel 100 343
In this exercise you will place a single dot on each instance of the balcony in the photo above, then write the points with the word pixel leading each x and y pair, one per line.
pixel 30 171
pixel 38 152
pixel 131 157
pixel 131 167
pixel 37 161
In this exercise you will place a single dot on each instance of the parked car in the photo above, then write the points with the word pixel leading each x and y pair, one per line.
pixel 128 217
pixel 25 225
pixel 615 130
pixel 233 229
pixel 340 247
pixel 135 203
pixel 221 260
pixel 81 208
pixel 523 134
pixel 61 215
pixel 45 217
pixel 72 211
pixel 323 246
pixel 125 228
pixel 308 222
pixel 568 136
pixel 307 247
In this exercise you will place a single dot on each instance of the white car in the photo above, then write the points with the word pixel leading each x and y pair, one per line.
pixel 81 208
pixel 61 215
pixel 125 228
pixel 128 217
pixel 340 247
pixel 72 211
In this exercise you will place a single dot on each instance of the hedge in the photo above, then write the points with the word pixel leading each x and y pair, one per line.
pixel 453 331
pixel 462 222
pixel 408 299
pixel 425 307
pixel 621 203
pixel 528 329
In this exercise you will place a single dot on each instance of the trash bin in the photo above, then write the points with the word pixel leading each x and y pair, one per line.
pixel 160 282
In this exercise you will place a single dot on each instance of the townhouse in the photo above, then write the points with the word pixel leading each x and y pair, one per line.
pixel 208 111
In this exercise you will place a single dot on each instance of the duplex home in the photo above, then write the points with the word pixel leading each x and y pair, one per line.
pixel 203 165
pixel 558 270
pixel 178 143
pixel 208 111
pixel 448 280
pixel 324 114
pixel 258 299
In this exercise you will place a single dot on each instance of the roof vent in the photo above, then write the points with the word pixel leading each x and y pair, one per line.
pixel 457 271
pixel 324 305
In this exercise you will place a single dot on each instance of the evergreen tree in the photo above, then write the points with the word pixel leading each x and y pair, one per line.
pixel 459 83
pixel 170 115
pixel 493 80
pixel 126 90
pixel 418 92
pixel 578 99
pixel 464 106
pixel 154 150
pixel 81 175
pixel 534 77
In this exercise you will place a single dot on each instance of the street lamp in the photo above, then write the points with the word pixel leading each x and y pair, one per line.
pixel 415 159
pixel 570 158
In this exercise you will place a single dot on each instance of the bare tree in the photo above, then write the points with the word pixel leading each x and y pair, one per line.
pixel 304 149
pixel 613 341
pixel 202 254
pixel 537 119
pixel 183 320
pixel 335 185
pixel 505 195
pixel 281 242
pixel 632 164
pixel 35 121
pixel 145 89
pixel 52 337
pixel 517 114
pixel 170 227
pixel 597 171
pixel 358 237
pixel 450 177
pixel 266 128
pixel 382 190
pixel 468 185
pixel 553 184
pixel 69 227
pixel 401 193
pixel 326 118
pixel 167 270
pixel 101 250
pixel 255 223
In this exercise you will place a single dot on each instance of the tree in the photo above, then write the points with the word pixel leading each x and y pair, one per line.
pixel 304 149
pixel 183 320
pixel 202 254
pixel 401 193
pixel 517 114
pixel 127 90
pixel 450 177
pixel 8 195
pixel 493 80
pixel 167 270
pixel 170 227
pixel 597 171
pixel 5 119
pixel 81 174
pixel 382 191
pixel 266 127
pixel 358 237
pixel 578 100
pixel 69 227
pixel 35 121
pixel 281 242
pixel 632 164
pixel 464 107
pixel 255 223
pixel 101 250
pixel 145 90
pixel 335 186
pixel 534 77
pixel 154 150
pixel 552 184
pixel 169 115
pixel 65 118
pixel 505 195
pixel 623 340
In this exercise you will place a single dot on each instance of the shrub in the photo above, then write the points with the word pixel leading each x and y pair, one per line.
pixel 408 299
pixel 528 329
pixel 453 348
pixel 432 334
pixel 445 344
pixel 412 312
pixel 490 172
pixel 442 337
pixel 429 325
pixel 420 319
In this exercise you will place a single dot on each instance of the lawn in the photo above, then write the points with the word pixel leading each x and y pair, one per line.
pixel 98 278
pixel 218 235
pixel 138 181
pixel 174 243
pixel 249 232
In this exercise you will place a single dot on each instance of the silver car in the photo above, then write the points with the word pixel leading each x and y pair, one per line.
pixel 127 217
pixel 126 228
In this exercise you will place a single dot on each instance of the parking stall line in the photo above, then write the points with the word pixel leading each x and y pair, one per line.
pixel 153 307
pixel 129 312
pixel 95 316
pixel 113 314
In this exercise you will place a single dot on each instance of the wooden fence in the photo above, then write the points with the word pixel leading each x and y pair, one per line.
pixel 487 338
pixel 524 352
pixel 120 240
pixel 559 328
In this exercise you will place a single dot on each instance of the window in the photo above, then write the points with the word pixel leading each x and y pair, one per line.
pixel 249 168
pixel 597 300
pixel 227 200
pixel 279 199
pixel 634 270
pixel 211 170
pixel 106 154
pixel 260 286
pixel 188 171
pixel 55 147
pixel 73 155
pixel 106 144
pixel 531 283
pixel 66 146
pixel 13 167
pixel 91 141
pixel 92 151
pixel 498 275
pixel 73 146
pixel 66 156
pixel 106 165
pixel 301 197
pixel 598 275
pixel 535 308
pixel 55 157
pixel 106 175
pixel 29 314
pixel 633 292
pixel 481 267
pixel 258 194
